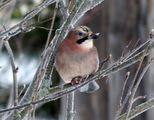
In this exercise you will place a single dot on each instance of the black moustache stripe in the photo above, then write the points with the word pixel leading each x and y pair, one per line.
pixel 82 40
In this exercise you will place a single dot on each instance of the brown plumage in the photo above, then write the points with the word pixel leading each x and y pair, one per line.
pixel 77 56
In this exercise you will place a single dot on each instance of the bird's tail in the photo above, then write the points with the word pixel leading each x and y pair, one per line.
pixel 89 88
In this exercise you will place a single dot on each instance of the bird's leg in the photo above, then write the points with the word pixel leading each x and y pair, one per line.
pixel 78 79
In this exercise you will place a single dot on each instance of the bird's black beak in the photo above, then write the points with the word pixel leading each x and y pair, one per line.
pixel 94 36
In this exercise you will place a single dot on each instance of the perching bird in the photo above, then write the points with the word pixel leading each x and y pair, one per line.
pixel 77 57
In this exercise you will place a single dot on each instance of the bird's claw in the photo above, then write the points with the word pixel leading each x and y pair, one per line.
pixel 77 80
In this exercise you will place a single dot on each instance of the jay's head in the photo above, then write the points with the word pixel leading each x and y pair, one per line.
pixel 82 36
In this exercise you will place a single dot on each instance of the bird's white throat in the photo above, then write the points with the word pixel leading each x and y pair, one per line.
pixel 87 44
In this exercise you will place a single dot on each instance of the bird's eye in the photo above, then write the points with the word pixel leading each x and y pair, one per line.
pixel 80 33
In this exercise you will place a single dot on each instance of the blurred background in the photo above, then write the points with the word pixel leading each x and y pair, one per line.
pixel 119 22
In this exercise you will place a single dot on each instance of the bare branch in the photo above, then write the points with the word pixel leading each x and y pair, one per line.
pixel 70 106
pixel 64 9
pixel 3 4
pixel 19 27
pixel 133 82
pixel 136 86
pixel 14 71
pixel 52 23
pixel 121 104
pixel 138 110
pixel 129 54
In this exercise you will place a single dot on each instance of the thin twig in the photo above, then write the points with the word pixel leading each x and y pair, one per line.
pixel 48 72
pixel 52 23
pixel 105 61
pixel 24 86
pixel 19 27
pixel 119 109
pixel 6 2
pixel 132 84
pixel 136 43
pixel 64 9
pixel 142 74
pixel 123 52
pixel 47 43
pixel 139 109
pixel 128 55
pixel 136 86
pixel 14 71
pixel 140 97
pixel 39 77
pixel 70 106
